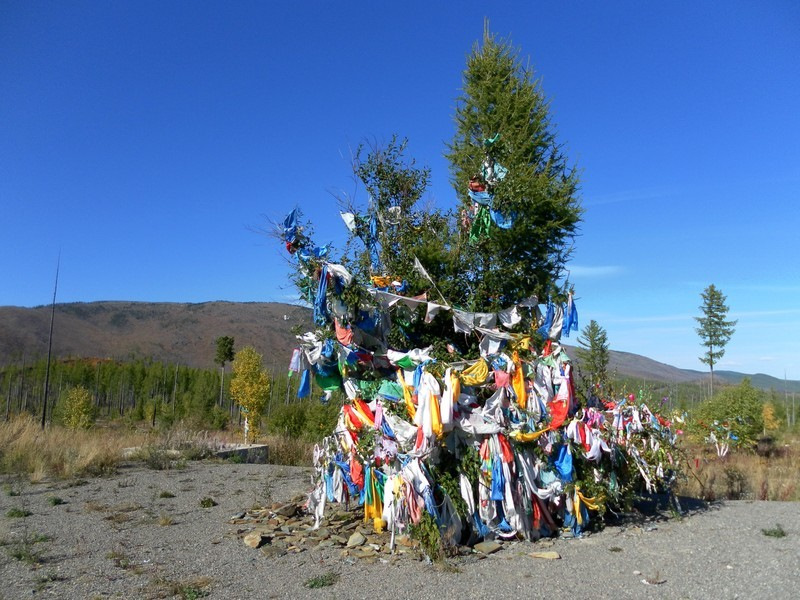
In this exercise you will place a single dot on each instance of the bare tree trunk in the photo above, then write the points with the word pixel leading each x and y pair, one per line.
pixel 22 388
pixel 174 390
pixel 50 347
pixel 97 386
pixel 221 383
pixel 8 398
pixel 712 382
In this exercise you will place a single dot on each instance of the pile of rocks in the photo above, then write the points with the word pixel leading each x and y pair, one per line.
pixel 285 528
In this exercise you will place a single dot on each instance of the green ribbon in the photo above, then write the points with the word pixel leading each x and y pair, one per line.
pixel 481 225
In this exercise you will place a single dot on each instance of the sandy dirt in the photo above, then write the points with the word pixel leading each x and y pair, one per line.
pixel 148 534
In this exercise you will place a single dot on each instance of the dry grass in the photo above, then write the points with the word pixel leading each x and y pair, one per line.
pixel 186 589
pixel 286 450
pixel 744 475
pixel 61 453
pixel 58 452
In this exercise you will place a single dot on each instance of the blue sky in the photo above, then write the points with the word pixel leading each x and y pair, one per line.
pixel 145 141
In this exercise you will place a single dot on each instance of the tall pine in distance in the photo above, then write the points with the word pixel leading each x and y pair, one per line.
pixel 594 354
pixel 517 236
pixel 715 330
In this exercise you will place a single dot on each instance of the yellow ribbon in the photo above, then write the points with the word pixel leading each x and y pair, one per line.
pixel 530 436
pixel 591 504
pixel 412 410
pixel 476 374
pixel 518 382
pixel 382 280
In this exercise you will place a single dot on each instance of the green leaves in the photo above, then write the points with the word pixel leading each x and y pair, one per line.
pixel 715 330
pixel 501 96
pixel 593 352
pixel 77 411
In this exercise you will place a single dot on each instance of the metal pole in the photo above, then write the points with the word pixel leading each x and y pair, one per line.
pixel 50 345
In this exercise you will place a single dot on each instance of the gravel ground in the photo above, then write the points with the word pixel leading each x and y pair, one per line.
pixel 125 537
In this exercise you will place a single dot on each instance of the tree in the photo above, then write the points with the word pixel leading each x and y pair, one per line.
pixel 771 423
pixel 517 235
pixel 714 331
pixel 394 185
pixel 77 411
pixel 461 280
pixel 224 355
pixel 593 352
pixel 249 387
pixel 734 416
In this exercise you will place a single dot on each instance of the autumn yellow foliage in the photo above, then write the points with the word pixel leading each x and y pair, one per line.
pixel 250 388
pixel 77 410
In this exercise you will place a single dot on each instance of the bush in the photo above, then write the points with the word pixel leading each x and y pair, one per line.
pixel 76 409
pixel 738 410
pixel 288 420
pixel 310 420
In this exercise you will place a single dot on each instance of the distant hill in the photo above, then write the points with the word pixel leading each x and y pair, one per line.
pixel 172 332
pixel 185 334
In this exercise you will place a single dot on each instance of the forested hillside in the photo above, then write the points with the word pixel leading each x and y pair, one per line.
pixel 170 332
pixel 184 334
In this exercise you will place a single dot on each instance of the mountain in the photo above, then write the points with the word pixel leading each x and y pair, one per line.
pixel 186 334
pixel 172 332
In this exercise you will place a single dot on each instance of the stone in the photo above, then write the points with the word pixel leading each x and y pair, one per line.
pixel 548 554
pixel 489 547
pixel 254 539
pixel 339 539
pixel 356 539
pixel 272 551
pixel 362 553
pixel 286 510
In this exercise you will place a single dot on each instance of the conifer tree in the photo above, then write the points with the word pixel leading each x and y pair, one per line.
pixel 715 330
pixel 593 352
pixel 224 354
pixel 517 243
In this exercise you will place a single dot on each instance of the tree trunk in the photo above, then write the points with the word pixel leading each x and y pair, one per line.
pixel 8 397
pixel 221 383
pixel 712 381
pixel 174 390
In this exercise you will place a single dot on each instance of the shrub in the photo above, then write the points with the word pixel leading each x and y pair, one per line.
pixel 737 410
pixel 76 409
pixel 310 420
